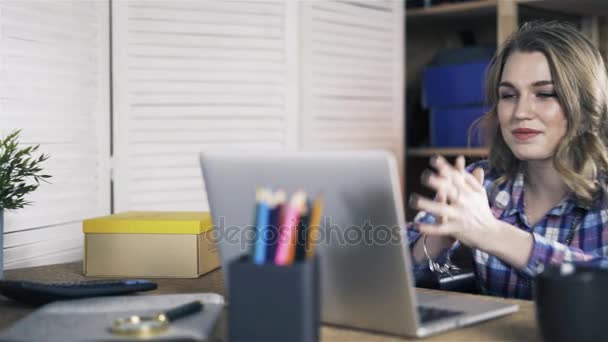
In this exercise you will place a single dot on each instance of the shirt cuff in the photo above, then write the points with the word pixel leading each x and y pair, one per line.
pixel 542 250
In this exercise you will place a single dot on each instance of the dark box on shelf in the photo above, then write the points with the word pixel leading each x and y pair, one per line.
pixel 274 303
pixel 450 126
pixel 453 85
pixel 454 93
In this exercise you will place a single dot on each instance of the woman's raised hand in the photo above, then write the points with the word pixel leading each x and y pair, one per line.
pixel 460 205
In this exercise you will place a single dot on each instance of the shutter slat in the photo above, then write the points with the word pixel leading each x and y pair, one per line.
pixel 40 250
pixel 36 235
pixel 69 10
pixel 350 75
pixel 193 197
pixel 232 112
pixel 194 75
pixel 66 253
pixel 169 149
pixel 195 137
pixel 183 183
pixel 324 13
pixel 219 76
pixel 208 30
pixel 164 87
pixel 353 90
pixel 348 52
pixel 206 17
pixel 374 17
pixel 170 39
pixel 351 31
pixel 207 100
pixel 145 51
pixel 152 63
pixel 217 7
pixel 54 86
pixel 337 39
pixel 204 125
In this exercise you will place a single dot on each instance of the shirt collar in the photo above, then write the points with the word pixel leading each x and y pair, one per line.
pixel 514 203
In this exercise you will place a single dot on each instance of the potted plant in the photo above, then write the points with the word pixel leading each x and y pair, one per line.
pixel 20 174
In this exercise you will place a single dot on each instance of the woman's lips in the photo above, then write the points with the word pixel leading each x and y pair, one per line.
pixel 525 133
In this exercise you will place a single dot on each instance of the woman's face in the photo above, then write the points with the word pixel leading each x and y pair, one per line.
pixel 532 121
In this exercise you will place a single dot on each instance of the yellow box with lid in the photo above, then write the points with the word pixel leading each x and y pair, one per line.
pixel 153 244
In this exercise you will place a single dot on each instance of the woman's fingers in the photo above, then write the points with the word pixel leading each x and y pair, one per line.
pixel 475 181
pixel 432 207
pixel 435 229
pixel 440 197
pixel 454 173
pixel 460 163
pixel 479 175
pixel 443 186
pixel 441 165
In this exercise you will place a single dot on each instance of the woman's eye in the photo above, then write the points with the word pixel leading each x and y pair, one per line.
pixel 546 95
pixel 507 96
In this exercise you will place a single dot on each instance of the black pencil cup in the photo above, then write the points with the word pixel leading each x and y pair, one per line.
pixel 274 303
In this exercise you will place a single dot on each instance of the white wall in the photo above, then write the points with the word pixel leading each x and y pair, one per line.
pixel 54 85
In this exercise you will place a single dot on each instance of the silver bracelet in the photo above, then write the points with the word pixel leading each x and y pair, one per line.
pixel 446 268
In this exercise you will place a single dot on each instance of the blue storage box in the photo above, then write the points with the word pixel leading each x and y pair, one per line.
pixel 454 84
pixel 450 126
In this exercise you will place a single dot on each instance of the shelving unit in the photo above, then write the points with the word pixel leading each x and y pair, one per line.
pixel 490 22
pixel 455 10
pixel 446 151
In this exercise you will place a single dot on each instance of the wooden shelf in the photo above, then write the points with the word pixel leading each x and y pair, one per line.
pixel 481 8
pixel 455 10
pixel 580 7
pixel 430 151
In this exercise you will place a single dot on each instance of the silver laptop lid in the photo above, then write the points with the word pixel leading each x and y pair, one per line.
pixel 362 244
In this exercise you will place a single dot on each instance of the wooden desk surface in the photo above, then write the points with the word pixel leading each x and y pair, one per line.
pixel 520 326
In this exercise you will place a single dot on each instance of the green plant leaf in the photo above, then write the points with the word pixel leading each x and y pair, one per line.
pixel 20 171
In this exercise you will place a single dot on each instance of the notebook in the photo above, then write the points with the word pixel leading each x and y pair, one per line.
pixel 90 319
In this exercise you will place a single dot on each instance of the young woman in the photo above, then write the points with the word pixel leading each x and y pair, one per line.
pixel 540 198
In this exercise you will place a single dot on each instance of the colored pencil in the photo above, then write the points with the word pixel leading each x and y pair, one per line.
pixel 276 219
pixel 261 224
pixel 287 236
pixel 302 233
pixel 313 230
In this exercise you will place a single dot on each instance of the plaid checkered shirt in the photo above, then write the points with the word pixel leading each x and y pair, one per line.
pixel 569 232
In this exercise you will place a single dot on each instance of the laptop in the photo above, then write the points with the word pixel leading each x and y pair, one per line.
pixel 365 266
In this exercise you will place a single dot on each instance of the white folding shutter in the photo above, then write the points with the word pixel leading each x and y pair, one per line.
pixel 352 75
pixel 54 85
pixel 194 75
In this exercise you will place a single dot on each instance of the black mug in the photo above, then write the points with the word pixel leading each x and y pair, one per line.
pixel 572 303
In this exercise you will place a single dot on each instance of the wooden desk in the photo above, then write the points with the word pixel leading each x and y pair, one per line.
pixel 520 326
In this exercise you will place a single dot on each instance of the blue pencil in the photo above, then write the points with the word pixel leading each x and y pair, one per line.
pixel 261 225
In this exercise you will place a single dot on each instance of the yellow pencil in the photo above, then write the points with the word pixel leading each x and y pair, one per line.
pixel 313 230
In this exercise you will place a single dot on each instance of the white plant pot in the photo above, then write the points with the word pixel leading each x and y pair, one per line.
pixel 1 243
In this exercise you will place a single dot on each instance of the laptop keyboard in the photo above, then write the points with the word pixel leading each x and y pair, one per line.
pixel 429 314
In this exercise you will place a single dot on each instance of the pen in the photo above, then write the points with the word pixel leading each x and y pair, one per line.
pixel 287 234
pixel 276 218
pixel 302 233
pixel 262 220
pixel 313 230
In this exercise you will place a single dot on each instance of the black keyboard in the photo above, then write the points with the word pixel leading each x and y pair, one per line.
pixel 35 293
pixel 429 314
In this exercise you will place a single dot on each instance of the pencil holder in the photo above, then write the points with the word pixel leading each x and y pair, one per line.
pixel 274 303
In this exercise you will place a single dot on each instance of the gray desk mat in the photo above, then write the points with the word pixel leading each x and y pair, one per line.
pixel 90 319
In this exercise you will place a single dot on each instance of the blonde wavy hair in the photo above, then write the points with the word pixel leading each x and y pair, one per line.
pixel 581 85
